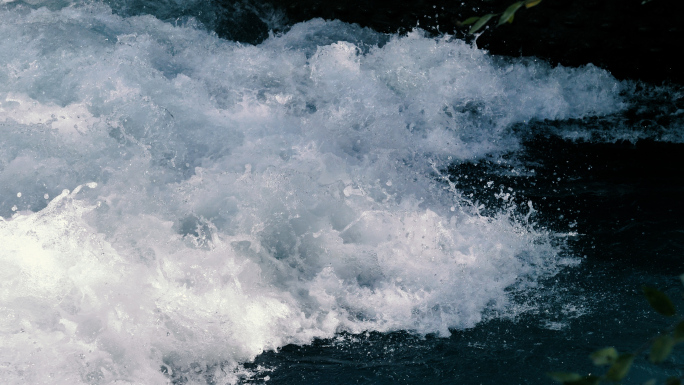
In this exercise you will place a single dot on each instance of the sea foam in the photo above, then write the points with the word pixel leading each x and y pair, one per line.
pixel 230 199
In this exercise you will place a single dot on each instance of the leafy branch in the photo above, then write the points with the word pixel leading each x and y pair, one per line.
pixel 659 347
pixel 505 17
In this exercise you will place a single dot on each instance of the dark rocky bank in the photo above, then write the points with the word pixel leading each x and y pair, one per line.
pixel 630 39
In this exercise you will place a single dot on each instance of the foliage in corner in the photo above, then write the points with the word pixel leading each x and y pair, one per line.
pixel 505 17
pixel 619 364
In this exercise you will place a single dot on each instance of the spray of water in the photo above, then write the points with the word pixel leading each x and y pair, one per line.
pixel 234 198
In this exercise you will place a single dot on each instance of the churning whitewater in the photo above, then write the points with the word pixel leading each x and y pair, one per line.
pixel 174 200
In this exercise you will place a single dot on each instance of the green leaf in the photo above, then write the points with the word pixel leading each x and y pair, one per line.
pixel 470 20
pixel 681 278
pixel 652 381
pixel 509 12
pixel 661 349
pixel 480 23
pixel 620 368
pixel 531 3
pixel 659 301
pixel 588 380
pixel 678 333
pixel 604 356
pixel 564 376
pixel 673 381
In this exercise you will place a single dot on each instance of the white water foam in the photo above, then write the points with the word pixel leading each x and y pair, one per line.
pixel 655 113
pixel 241 198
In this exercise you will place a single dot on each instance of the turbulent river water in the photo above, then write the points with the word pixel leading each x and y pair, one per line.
pixel 331 205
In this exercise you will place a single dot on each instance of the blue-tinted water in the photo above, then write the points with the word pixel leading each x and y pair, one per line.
pixel 330 205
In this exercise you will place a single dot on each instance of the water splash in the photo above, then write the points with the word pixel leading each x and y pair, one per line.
pixel 250 197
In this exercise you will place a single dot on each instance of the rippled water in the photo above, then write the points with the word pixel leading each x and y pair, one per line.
pixel 331 205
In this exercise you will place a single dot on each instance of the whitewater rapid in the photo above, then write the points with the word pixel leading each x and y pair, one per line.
pixel 175 201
